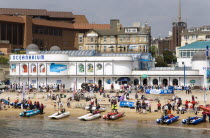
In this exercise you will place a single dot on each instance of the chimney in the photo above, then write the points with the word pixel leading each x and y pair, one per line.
pixel 115 24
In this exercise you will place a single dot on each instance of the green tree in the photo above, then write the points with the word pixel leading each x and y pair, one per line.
pixel 3 60
pixel 160 62
pixel 169 57
pixel 153 50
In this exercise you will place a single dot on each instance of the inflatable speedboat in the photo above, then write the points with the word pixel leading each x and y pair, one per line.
pixel 113 116
pixel 167 119
pixel 89 116
pixel 59 115
pixel 29 113
pixel 192 120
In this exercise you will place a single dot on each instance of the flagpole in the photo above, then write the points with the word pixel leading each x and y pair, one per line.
pixel 207 54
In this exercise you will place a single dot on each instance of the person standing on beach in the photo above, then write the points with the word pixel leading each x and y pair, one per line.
pixel 159 107
pixel 165 109
pixel 68 103
pixel 137 106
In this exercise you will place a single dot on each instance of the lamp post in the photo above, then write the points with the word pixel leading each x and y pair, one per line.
pixel 184 73
pixel 207 54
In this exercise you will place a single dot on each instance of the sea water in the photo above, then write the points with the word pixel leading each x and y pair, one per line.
pixel 41 127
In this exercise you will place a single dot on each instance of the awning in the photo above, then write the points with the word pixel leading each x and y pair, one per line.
pixel 124 79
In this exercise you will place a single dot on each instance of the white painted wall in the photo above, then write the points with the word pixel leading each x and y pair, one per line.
pixel 187 62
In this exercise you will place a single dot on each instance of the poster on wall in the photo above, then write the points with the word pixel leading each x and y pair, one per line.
pixel 57 67
pixel 33 68
pixel 25 68
pixel 13 67
pixel 208 76
pixel 90 67
pixel 99 66
pixel 81 68
pixel 108 81
pixel 42 68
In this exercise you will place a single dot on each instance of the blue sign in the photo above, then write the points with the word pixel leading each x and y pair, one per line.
pixel 159 91
pixel 27 57
pixel 207 51
pixel 58 81
pixel 57 67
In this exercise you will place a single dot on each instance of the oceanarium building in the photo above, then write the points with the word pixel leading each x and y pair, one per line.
pixel 73 68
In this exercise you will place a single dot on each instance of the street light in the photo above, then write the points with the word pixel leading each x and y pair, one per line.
pixel 184 73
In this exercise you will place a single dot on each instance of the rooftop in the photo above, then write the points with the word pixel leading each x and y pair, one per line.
pixel 196 45
pixel 36 12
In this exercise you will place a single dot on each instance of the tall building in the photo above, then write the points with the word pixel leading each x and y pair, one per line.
pixel 21 27
pixel 177 29
pixel 117 38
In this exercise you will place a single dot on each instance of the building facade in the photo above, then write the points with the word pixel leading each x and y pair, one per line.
pixel 195 34
pixel 72 68
pixel 117 39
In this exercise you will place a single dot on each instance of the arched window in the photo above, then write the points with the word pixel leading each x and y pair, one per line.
pixel 155 82
pixel 175 82
pixel 90 68
pixel 24 68
pixel 42 68
pixel 33 68
pixel 81 68
pixel 136 82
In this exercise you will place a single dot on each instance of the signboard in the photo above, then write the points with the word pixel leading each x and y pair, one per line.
pixel 192 81
pixel 144 75
pixel 27 57
pixel 33 81
pixel 159 91
pixel 58 81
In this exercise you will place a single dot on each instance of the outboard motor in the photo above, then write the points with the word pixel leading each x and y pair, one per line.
pixel 188 121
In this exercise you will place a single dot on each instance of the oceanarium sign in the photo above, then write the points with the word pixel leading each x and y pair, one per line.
pixel 27 57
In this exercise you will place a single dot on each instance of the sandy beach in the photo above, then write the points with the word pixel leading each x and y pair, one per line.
pixel 130 114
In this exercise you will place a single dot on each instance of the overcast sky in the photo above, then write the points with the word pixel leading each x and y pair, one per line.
pixel 158 13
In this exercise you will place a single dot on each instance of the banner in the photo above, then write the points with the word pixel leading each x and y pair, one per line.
pixel 159 91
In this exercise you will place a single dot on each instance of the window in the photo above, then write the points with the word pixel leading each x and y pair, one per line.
pixel 80 38
pixel 121 39
pixel 80 47
pixel 104 39
pixel 194 36
pixel 104 48
pixel 124 39
pixel 186 37
pixel 128 39
pixel 207 36
pixel 91 39
pixel 133 39
pixel 112 39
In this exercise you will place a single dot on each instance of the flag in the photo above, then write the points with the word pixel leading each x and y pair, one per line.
pixel 207 51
